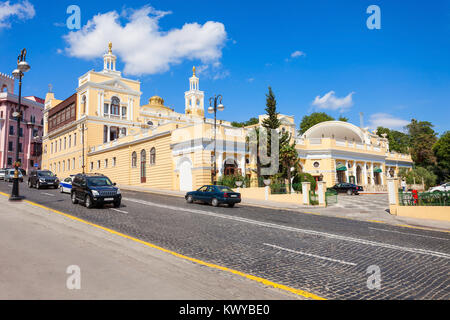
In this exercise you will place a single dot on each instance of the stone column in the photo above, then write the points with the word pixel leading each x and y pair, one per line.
pixel 393 185
pixel 321 189
pixel 306 187
pixel 108 135
pixel 242 165
pixel 372 182
pixel 365 174
pixel 346 172
pixel 219 160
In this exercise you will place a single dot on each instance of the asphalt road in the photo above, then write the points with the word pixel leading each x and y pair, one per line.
pixel 323 255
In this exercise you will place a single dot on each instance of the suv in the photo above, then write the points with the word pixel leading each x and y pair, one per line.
pixel 9 175
pixel 43 178
pixel 93 190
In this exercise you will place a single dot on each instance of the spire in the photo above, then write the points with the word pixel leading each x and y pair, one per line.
pixel 193 71
pixel 110 47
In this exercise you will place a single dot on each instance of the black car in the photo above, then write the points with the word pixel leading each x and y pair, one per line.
pixel 347 188
pixel 42 178
pixel 214 195
pixel 95 190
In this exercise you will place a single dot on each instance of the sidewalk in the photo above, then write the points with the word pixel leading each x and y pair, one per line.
pixel 37 246
pixel 332 211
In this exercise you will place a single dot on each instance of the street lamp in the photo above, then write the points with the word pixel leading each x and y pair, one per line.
pixel 213 107
pixel 22 67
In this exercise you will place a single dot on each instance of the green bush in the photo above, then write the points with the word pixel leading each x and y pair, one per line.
pixel 230 181
pixel 429 178
pixel 303 177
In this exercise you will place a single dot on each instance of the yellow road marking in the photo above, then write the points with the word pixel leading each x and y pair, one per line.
pixel 211 265
pixel 376 221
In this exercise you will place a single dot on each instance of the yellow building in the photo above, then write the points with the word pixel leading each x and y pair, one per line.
pixel 103 128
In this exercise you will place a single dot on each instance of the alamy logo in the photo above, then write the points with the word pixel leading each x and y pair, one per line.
pixel 74 20
pixel 374 21
pixel 74 280
pixel 374 280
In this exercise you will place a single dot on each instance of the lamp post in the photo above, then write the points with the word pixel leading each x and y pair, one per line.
pixel 213 107
pixel 22 67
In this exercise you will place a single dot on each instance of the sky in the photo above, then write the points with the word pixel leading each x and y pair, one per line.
pixel 316 55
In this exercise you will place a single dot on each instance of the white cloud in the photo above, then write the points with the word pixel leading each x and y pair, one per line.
pixel 297 54
pixel 331 102
pixel 386 120
pixel 22 10
pixel 213 71
pixel 142 46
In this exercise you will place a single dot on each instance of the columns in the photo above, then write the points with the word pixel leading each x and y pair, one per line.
pixel 335 172
pixel 321 188
pixel 365 174
pixel 372 182
pixel 355 172
pixel 306 187
pixel 242 165
pixel 108 135
pixel 219 160
pixel 346 172
pixel 382 174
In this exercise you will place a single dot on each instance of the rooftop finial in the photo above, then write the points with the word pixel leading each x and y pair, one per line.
pixel 50 88
pixel 193 70
pixel 110 47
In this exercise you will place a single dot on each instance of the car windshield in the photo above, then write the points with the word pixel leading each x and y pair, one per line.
pixel 224 189
pixel 46 174
pixel 99 182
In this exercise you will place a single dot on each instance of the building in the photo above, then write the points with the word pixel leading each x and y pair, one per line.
pixel 31 127
pixel 103 128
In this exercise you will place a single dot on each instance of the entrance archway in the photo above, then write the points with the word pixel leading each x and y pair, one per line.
pixel 358 175
pixel 230 168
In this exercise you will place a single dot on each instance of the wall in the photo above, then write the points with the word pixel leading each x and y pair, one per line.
pixel 440 213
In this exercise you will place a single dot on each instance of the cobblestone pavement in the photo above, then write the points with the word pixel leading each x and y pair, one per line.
pixel 363 203
pixel 323 255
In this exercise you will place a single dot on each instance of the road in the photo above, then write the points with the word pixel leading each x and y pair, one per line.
pixel 326 256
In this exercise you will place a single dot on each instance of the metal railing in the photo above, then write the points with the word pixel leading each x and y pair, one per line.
pixel 437 198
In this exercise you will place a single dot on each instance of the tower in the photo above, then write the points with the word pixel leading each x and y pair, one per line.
pixel 6 83
pixel 195 99
pixel 109 62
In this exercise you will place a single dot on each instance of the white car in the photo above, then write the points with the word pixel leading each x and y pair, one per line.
pixel 444 187
pixel 65 186
pixel 2 174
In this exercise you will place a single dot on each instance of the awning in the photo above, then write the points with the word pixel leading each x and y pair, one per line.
pixel 341 167
pixel 377 170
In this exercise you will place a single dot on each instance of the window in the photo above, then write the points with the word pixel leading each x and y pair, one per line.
pixel 20 132
pixel 98 164
pixel 106 109
pixel 115 106
pixel 105 134
pixel 51 147
pixel 64 166
pixel 45 149
pixel 65 143
pixel 114 161
pixel 134 160
pixel 74 139
pixel 73 164
pixel 35 132
pixel 20 147
pixel 70 142
pixel 153 156
pixel 11 130
pixel 59 166
pixel 9 161
pixel 316 164
pixel 10 146
pixel 92 166
pixel 124 112
pixel 106 163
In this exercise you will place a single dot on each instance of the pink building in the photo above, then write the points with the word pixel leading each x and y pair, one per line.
pixel 31 127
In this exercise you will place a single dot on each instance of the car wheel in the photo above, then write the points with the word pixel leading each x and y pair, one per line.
pixel 117 204
pixel 190 199
pixel 74 198
pixel 215 202
pixel 30 185
pixel 231 205
pixel 61 189
pixel 349 192
pixel 88 202
pixel 38 185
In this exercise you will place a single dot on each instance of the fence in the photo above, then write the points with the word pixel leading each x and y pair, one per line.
pixel 282 188
pixel 331 197
pixel 437 198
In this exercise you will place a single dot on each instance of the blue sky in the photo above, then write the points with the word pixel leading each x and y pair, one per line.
pixel 399 72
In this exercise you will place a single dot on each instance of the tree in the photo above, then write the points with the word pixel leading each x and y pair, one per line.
pixel 398 141
pixel 441 150
pixel 250 122
pixel 313 119
pixel 422 139
pixel 272 121
pixel 288 159
pixel 417 175
pixel 342 118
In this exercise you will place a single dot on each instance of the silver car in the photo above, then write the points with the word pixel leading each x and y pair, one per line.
pixel 9 175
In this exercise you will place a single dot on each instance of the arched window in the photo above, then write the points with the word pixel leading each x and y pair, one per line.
pixel 143 167
pixel 115 106
pixel 152 156
pixel 134 160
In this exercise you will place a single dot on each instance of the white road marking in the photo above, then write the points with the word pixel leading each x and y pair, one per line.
pixel 119 210
pixel 309 254
pixel 408 233
pixel 48 194
pixel 286 228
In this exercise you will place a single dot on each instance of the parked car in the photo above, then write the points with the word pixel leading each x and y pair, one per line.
pixel 9 175
pixel 65 186
pixel 42 178
pixel 215 195
pixel 2 174
pixel 94 190
pixel 443 187
pixel 347 188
